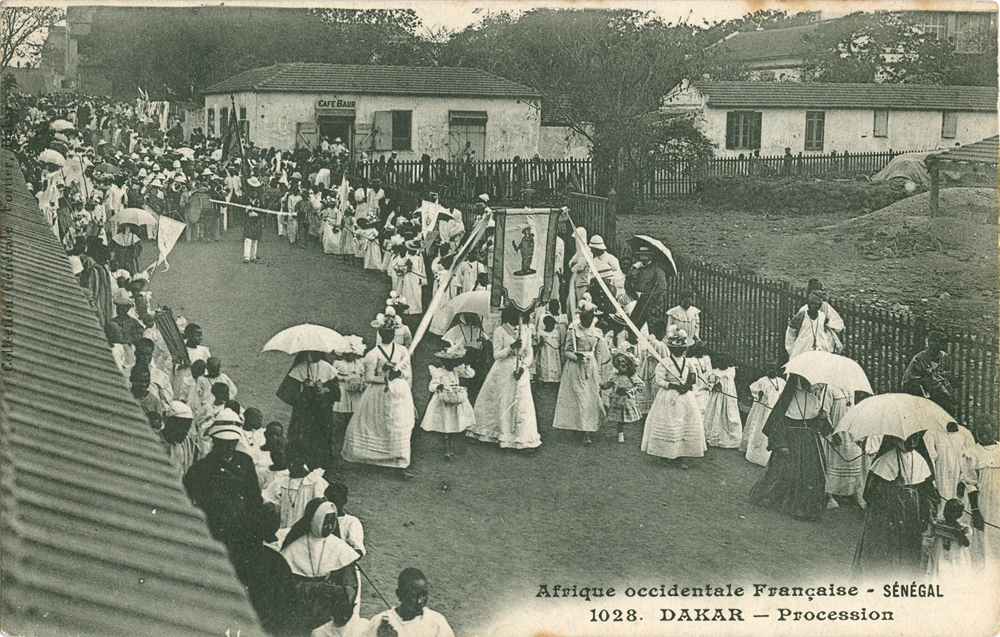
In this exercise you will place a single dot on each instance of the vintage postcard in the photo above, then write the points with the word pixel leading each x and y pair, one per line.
pixel 551 318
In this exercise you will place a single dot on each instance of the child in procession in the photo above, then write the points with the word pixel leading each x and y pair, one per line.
pixel 548 354
pixel 351 375
pixel 766 391
pixel 723 426
pixel 578 405
pixel 624 387
pixel 449 411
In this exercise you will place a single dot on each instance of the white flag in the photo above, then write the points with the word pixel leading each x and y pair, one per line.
pixel 429 212
pixel 168 233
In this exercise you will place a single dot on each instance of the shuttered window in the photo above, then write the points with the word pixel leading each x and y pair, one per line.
pixel 393 130
pixel 949 124
pixel 881 122
pixel 743 129
pixel 211 122
pixel 815 128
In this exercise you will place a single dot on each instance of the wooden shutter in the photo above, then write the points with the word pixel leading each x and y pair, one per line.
pixel 731 119
pixel 881 122
pixel 382 132
pixel 949 124
pixel 755 127
pixel 305 134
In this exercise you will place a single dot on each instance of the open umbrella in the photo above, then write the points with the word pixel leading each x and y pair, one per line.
pixel 656 243
pixel 188 153
pixel 305 338
pixel 899 415
pixel 477 302
pixel 110 169
pixel 136 216
pixel 830 369
pixel 61 125
pixel 49 156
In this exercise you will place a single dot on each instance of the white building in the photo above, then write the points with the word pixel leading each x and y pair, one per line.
pixel 440 111
pixel 741 117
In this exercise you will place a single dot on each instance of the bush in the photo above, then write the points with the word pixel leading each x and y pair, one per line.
pixel 798 195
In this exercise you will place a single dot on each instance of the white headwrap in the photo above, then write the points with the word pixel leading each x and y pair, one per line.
pixel 314 555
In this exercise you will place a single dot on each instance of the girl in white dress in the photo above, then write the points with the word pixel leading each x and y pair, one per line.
pixel 379 432
pixel 723 426
pixel 701 364
pixel 449 411
pixel 409 270
pixel 505 408
pixel 347 233
pixel 332 217
pixel 578 406
pixel 649 358
pixel 351 376
pixel 548 351
pixel 293 488
pixel 766 391
pixel 674 427
pixel 372 251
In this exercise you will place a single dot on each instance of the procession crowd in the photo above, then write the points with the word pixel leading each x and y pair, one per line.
pixel 605 337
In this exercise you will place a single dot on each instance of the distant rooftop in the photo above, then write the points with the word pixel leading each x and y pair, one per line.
pixel 357 78
pixel 829 95
pixel 986 151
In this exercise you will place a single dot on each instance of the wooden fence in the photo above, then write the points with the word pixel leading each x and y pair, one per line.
pixel 548 179
pixel 746 316
pixel 597 214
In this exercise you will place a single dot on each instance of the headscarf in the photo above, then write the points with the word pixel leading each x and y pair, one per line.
pixel 308 552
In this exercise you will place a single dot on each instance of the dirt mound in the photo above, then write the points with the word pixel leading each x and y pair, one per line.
pixel 965 203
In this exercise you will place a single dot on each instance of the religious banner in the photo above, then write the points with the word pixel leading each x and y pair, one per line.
pixel 429 212
pixel 523 256
pixel 169 231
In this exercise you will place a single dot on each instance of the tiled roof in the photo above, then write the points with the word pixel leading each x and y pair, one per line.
pixel 770 44
pixel 986 151
pixel 823 95
pixel 356 78
pixel 98 536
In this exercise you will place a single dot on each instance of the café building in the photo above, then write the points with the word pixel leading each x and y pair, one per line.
pixel 439 111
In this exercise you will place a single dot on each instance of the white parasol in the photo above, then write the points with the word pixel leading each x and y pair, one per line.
pixel 61 125
pixel 306 338
pixel 824 368
pixel 899 415
pixel 477 302
pixel 49 156
pixel 656 243
pixel 136 216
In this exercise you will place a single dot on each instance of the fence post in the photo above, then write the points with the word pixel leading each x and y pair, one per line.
pixel 611 219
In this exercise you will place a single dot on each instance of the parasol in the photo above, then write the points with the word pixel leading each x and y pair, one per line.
pixel 477 302
pixel 136 216
pixel 188 153
pixel 656 243
pixel 899 415
pixel 49 156
pixel 61 125
pixel 110 169
pixel 306 338
pixel 824 368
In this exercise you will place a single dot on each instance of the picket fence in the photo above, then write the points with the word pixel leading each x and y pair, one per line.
pixel 745 316
pixel 506 180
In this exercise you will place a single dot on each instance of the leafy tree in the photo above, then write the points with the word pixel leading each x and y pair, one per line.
pixel 22 29
pixel 888 47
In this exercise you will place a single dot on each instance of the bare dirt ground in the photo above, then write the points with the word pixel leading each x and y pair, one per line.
pixel 898 258
pixel 490 526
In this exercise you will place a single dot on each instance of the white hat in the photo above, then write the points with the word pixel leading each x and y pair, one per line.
pixel 485 197
pixel 180 178
pixel 141 276
pixel 142 172
pixel 225 430
pixel 337 141
pixel 207 173
pixel 296 175
pixel 156 183
pixel 253 182
pixel 177 163
pixel 597 243
pixel 178 409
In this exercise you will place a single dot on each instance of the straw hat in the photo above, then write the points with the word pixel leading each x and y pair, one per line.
pixel 452 352
pixel 677 337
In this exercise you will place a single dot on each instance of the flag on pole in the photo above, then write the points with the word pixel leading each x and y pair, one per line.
pixel 429 212
pixel 166 237
pixel 344 190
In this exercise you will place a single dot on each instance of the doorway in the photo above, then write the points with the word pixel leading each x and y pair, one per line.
pixel 333 127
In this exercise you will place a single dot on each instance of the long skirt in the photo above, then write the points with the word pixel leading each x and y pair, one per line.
pixel 644 397
pixel 380 429
pixel 410 288
pixel 674 428
pixel 505 409
pixel 794 482
pixel 346 242
pixel 844 467
pixel 373 256
pixel 578 406
pixel 723 427
pixel 754 442
pixel 891 540
pixel 310 428
pixel 447 418
pixel 331 239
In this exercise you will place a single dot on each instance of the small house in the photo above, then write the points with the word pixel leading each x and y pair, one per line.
pixel 820 118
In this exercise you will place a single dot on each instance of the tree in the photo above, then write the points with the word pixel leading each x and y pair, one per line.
pixel 888 47
pixel 22 31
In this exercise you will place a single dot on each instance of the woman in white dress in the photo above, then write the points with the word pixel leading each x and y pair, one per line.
pixel 449 411
pixel 578 406
pixel 346 233
pixel 333 217
pixel 505 408
pixel 674 428
pixel 766 391
pixel 723 426
pixel 380 429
